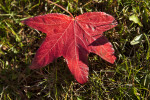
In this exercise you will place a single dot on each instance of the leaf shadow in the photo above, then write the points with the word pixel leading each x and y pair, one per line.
pixel 99 41
pixel 83 55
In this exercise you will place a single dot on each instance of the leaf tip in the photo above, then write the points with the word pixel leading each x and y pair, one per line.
pixel 113 60
pixel 82 81
pixel 23 21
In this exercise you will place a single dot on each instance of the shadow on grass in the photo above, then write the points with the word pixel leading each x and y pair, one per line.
pixel 47 82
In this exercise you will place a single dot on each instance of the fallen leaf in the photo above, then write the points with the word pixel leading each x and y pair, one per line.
pixel 135 19
pixel 74 39
pixel 136 39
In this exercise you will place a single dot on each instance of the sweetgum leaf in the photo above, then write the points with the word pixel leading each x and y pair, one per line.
pixel 74 39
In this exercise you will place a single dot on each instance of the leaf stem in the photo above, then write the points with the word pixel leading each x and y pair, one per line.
pixel 60 7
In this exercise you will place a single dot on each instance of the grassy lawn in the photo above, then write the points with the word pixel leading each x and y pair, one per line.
pixel 128 78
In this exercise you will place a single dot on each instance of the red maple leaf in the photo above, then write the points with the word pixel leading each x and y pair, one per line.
pixel 74 39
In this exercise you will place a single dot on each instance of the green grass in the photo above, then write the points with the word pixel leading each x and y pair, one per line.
pixel 128 78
